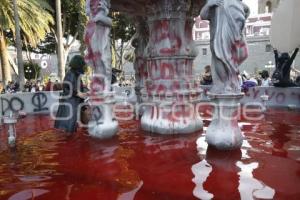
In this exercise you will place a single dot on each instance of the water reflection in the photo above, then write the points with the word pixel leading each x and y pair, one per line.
pixel 131 194
pixel 227 174
pixel 250 187
pixel 28 194
pixel 201 171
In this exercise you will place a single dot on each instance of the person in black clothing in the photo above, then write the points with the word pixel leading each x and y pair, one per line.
pixel 73 95
pixel 207 77
pixel 281 76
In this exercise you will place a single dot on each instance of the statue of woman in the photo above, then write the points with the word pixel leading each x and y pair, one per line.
pixel 229 49
pixel 97 39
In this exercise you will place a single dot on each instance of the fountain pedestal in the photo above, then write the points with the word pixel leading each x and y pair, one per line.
pixel 103 124
pixel 171 89
pixel 223 132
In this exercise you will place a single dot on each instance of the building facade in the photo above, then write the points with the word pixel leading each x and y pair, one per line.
pixel 267 6
pixel 257 32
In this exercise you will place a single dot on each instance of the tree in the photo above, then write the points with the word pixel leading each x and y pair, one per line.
pixel 31 70
pixel 59 34
pixel 21 78
pixel 35 19
pixel 122 32
pixel 73 21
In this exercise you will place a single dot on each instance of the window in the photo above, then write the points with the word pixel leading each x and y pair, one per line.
pixel 204 51
pixel 268 48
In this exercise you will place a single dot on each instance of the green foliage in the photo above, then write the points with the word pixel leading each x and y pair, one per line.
pixel 122 28
pixel 31 70
pixel 35 19
pixel 73 20
pixel 122 31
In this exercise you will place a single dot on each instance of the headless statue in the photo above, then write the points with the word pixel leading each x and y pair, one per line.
pixel 228 46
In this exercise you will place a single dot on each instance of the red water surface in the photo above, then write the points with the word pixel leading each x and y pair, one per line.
pixel 136 165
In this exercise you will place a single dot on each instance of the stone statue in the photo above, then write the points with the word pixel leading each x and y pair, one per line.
pixel 227 21
pixel 97 39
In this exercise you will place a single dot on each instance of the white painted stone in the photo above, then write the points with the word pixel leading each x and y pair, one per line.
pixel 223 132
pixel 106 126
pixel 155 123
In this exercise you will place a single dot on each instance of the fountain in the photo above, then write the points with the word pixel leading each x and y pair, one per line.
pixel 134 165
pixel 164 62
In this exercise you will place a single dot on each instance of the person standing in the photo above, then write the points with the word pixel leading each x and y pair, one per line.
pixel 265 79
pixel 72 96
pixel 281 76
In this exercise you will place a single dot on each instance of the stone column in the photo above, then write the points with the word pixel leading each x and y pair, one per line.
pixel 171 89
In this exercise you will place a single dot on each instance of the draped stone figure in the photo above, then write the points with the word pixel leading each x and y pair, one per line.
pixel 229 49
pixel 97 39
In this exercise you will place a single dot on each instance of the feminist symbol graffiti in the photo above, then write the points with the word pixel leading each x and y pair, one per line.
pixel 14 104
pixel 39 100
pixel 97 114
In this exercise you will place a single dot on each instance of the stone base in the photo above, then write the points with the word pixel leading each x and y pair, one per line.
pixel 103 130
pixel 103 125
pixel 168 126
pixel 223 132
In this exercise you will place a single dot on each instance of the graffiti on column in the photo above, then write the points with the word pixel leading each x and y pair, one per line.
pixel 170 54
pixel 98 43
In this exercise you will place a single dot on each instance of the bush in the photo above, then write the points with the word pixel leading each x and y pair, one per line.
pixel 31 70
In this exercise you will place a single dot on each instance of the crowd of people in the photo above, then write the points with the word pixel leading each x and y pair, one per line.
pixel 262 78
pixel 31 86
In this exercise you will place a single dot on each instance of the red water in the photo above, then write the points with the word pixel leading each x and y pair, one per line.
pixel 137 165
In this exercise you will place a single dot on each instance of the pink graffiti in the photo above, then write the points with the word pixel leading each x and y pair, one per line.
pixel 239 52
pixel 278 96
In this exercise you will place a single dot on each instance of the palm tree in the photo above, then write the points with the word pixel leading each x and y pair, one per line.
pixel 35 21
pixel 21 78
